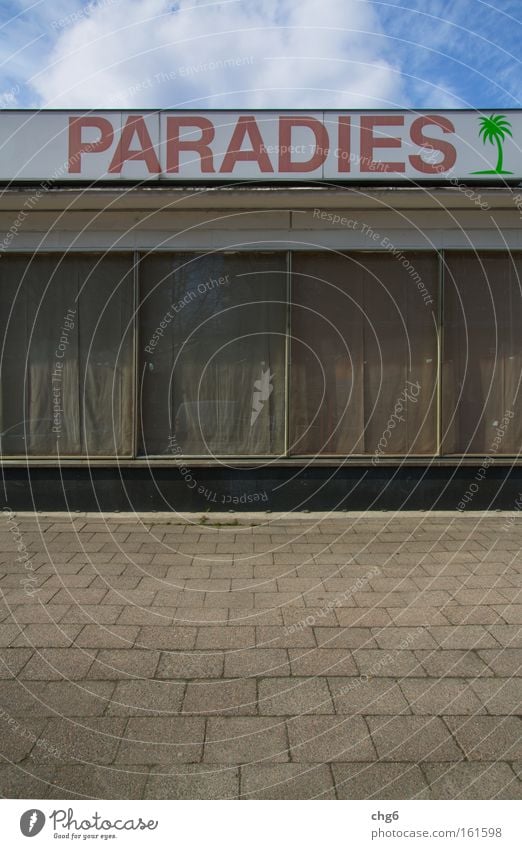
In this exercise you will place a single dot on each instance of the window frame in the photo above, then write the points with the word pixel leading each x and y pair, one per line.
pixel 253 461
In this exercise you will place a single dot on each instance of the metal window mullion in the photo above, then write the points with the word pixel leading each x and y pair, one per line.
pixel 288 349
pixel 440 342
pixel 135 331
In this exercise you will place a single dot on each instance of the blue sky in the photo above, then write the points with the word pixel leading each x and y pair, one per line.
pixel 260 53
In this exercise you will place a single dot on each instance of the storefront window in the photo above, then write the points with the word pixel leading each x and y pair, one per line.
pixel 66 355
pixel 227 362
pixel 212 353
pixel 364 353
pixel 482 354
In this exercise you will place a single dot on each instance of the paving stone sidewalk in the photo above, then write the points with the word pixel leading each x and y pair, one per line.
pixel 305 656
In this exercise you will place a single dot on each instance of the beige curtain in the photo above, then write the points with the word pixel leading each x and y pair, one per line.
pixel 482 352
pixel 361 330
pixel 213 379
pixel 66 368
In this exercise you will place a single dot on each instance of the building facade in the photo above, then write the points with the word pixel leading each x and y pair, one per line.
pixel 219 311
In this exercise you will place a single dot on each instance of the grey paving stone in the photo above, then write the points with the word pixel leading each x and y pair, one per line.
pixel 123 663
pixel 139 698
pixel 166 637
pixel 511 613
pixel 322 662
pixel 70 580
pixel 345 638
pixel 88 781
pixel 193 781
pixel 505 663
pixel 460 663
pixel 435 697
pixel 324 739
pixel 21 596
pixel 488 738
pixel 286 781
pixel 380 781
pixel 294 696
pixel 358 695
pixel 12 661
pixel 25 780
pixel 141 598
pixel 196 616
pixel 463 637
pixel 421 616
pixel 440 615
pixel 478 597
pixel 19 698
pixel 18 735
pixel 9 633
pixel 225 637
pixel 91 614
pixel 47 636
pixel 162 740
pixel 362 617
pixel 245 739
pixel 256 616
pixel 468 615
pixel 107 637
pixel 499 696
pixel 509 636
pixel 82 596
pixel 33 614
pixel 249 663
pixel 274 637
pixel 306 618
pixel 70 699
pixel 473 781
pixel 87 740
pixel 188 665
pixel 391 637
pixel 387 663
pixel 413 739
pixel 57 664
pixel 209 585
pixel 153 616
pixel 222 697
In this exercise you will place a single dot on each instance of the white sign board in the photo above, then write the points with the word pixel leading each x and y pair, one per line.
pixel 374 146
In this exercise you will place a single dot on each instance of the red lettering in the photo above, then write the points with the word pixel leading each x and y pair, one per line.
pixel 344 144
pixel 145 153
pixel 246 127
pixel 200 146
pixel 417 136
pixel 77 147
pixel 320 153
pixel 369 142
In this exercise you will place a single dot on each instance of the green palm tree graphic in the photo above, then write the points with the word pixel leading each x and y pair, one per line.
pixel 495 129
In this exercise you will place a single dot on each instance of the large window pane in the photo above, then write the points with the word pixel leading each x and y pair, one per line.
pixel 66 355
pixel 212 351
pixel 364 353
pixel 482 353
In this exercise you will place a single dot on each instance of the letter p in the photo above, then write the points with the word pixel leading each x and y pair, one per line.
pixel 77 146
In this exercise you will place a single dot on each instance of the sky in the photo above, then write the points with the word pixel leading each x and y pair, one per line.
pixel 260 54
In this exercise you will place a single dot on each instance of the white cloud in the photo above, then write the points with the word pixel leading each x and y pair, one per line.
pixel 235 53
